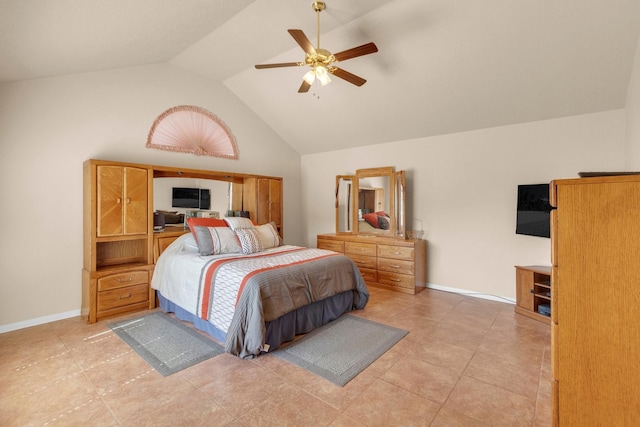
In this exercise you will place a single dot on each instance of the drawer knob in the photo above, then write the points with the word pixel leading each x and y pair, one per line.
pixel 125 296
pixel 128 279
pixel 395 266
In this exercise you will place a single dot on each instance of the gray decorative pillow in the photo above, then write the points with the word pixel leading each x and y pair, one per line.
pixel 216 240
pixel 383 222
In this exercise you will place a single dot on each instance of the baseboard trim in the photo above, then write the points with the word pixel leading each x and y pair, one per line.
pixel 38 321
pixel 474 294
pixel 73 313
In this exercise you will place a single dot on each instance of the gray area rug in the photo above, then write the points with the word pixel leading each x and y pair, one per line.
pixel 340 350
pixel 165 343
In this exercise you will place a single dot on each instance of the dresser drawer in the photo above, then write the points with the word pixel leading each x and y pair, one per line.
pixel 123 279
pixel 364 261
pixel 398 280
pixel 357 248
pixel 395 252
pixel 369 275
pixel 120 297
pixel 395 266
pixel 331 245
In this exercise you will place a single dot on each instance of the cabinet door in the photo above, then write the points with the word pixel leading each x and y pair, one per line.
pixel 110 182
pixel 121 200
pixel 269 201
pixel 275 206
pixel 598 250
pixel 524 289
pixel 135 201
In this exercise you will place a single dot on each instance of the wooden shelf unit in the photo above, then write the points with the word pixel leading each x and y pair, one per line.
pixel 533 288
pixel 117 230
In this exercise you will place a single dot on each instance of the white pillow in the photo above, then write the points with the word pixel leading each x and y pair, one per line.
pixel 269 235
pixel 238 222
pixel 216 240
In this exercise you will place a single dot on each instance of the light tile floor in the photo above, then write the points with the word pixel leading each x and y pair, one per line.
pixel 465 362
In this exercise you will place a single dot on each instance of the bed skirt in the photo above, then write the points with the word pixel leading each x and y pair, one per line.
pixel 282 329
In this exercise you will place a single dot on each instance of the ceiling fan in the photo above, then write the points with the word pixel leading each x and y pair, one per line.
pixel 321 60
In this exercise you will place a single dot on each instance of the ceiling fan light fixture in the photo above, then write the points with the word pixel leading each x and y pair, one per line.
pixel 310 76
pixel 323 75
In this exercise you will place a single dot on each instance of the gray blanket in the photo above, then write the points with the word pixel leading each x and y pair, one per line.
pixel 270 294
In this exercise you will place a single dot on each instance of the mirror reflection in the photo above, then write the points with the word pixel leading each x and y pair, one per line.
pixel 374 210
pixel 221 195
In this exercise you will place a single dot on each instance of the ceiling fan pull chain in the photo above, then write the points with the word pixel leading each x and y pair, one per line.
pixel 318 15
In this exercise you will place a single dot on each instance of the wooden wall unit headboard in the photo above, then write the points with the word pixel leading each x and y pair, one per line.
pixel 120 247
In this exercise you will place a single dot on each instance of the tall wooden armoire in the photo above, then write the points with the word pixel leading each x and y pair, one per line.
pixel 596 301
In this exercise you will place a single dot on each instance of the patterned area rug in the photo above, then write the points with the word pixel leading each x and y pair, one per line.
pixel 341 349
pixel 165 343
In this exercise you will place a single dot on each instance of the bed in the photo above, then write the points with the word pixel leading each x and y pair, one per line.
pixel 246 289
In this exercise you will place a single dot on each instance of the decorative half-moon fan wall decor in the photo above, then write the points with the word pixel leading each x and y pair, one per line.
pixel 190 129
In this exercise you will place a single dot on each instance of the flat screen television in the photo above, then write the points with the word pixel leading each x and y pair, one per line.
pixel 192 198
pixel 533 217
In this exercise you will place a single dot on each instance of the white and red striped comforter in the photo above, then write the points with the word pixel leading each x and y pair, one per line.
pixel 237 293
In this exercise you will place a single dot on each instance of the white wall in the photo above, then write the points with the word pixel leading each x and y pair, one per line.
pixel 633 116
pixel 48 127
pixel 463 187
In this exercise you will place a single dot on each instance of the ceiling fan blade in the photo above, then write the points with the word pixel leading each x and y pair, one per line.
pixel 345 75
pixel 282 64
pixel 304 87
pixel 365 49
pixel 303 41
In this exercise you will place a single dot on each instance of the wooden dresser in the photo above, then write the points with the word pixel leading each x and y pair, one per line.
pixel 595 312
pixel 395 264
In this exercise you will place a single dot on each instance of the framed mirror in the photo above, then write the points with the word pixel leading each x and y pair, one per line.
pixel 399 204
pixel 371 202
pixel 344 203
pixel 373 193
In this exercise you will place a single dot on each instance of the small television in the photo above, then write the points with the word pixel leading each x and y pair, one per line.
pixel 192 198
pixel 533 217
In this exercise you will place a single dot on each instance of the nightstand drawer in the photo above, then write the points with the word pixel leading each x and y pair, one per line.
pixel 123 279
pixel 395 252
pixel 120 297
pixel 355 248
pixel 395 266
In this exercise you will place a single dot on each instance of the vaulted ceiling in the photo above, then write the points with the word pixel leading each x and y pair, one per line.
pixel 443 66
